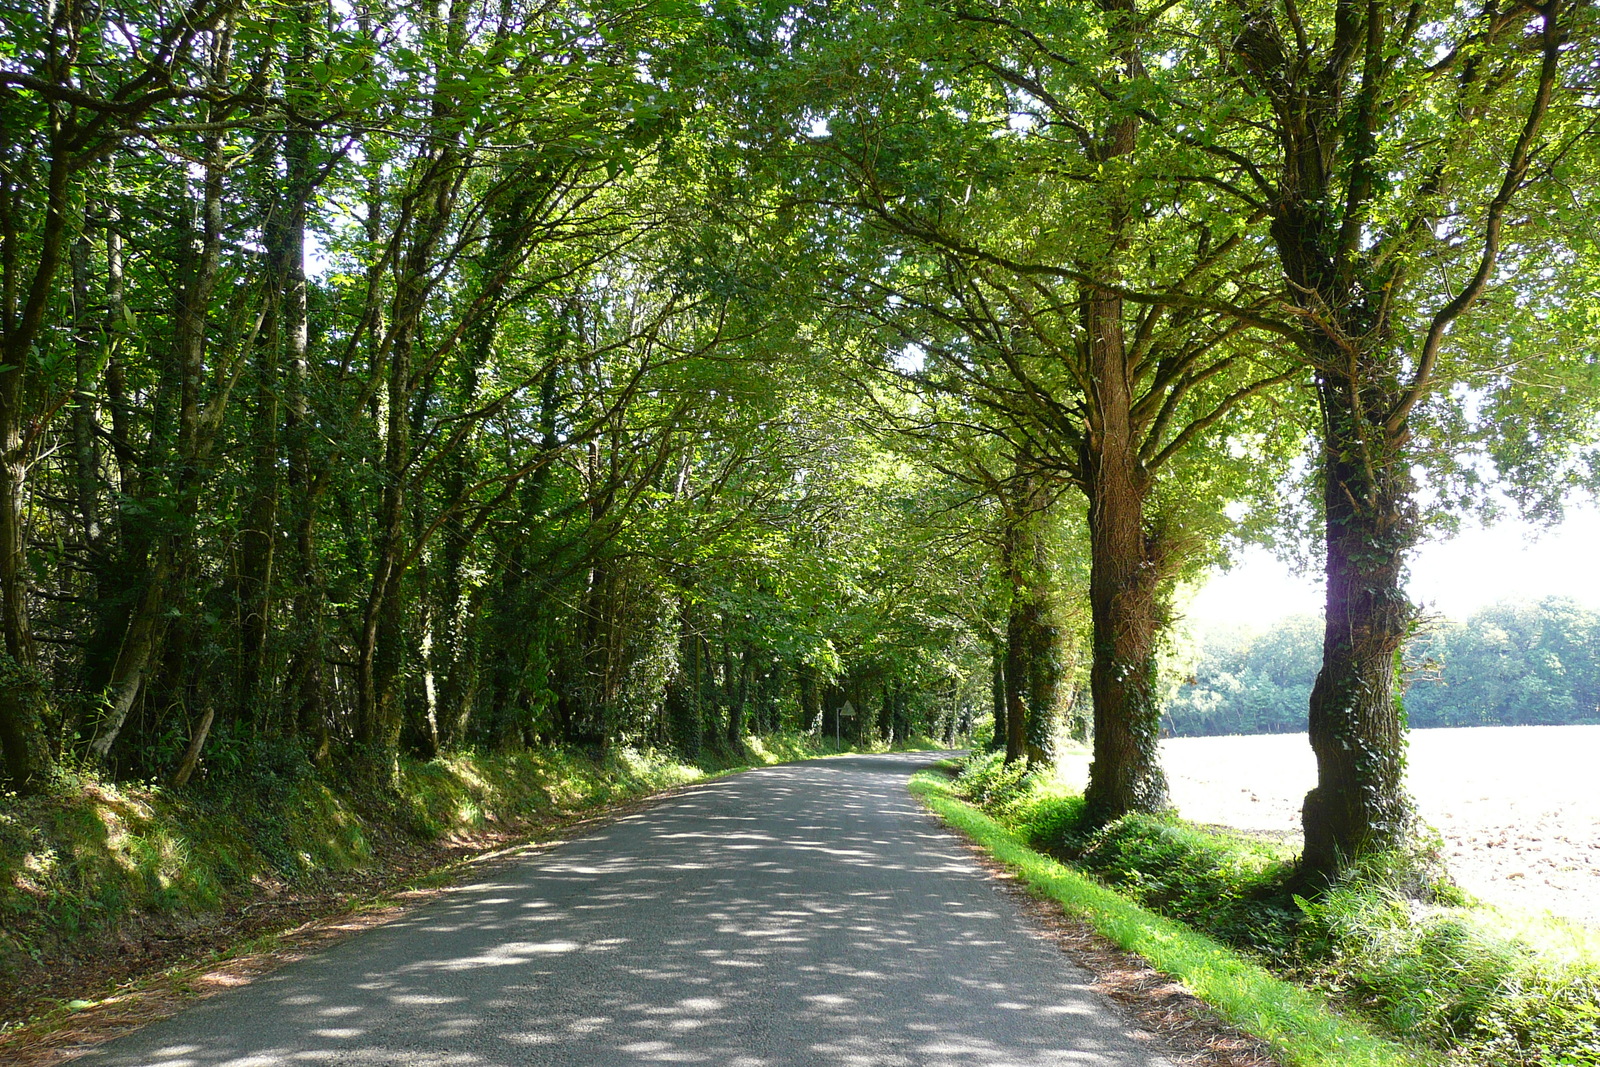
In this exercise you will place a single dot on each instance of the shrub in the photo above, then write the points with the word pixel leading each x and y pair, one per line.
pixel 990 781
pixel 1229 888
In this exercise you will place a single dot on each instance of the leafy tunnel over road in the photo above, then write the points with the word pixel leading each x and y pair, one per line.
pixel 803 914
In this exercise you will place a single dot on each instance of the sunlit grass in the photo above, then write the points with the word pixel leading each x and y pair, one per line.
pixel 1560 942
pixel 1299 1024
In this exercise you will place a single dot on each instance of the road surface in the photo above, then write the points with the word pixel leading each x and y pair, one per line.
pixel 804 914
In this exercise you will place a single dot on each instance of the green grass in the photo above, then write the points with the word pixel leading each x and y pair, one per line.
pixel 1490 987
pixel 1420 961
pixel 1299 1024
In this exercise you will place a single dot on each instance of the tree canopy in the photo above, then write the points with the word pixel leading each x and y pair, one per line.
pixel 382 377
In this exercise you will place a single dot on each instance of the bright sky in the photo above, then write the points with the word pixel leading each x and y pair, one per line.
pixel 1454 578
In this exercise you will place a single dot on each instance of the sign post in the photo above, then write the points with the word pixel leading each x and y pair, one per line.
pixel 846 712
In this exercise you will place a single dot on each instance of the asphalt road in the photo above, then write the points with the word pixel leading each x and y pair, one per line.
pixel 804 914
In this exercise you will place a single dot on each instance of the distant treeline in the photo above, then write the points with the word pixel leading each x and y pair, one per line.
pixel 1518 664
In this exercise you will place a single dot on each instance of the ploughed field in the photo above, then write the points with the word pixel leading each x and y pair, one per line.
pixel 1519 806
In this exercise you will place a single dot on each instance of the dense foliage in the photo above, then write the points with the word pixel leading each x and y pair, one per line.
pixel 385 378
pixel 1524 664
pixel 369 388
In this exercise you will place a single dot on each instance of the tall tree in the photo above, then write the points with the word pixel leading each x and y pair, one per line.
pixel 70 99
pixel 1003 211
pixel 1402 135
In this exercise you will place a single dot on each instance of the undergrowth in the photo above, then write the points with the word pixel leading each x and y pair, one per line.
pixel 1294 1021
pixel 1442 972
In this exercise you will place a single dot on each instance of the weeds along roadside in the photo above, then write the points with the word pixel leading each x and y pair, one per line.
pixel 1443 975
pixel 93 865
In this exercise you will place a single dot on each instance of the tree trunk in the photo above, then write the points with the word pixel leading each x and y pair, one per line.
pixel 1359 804
pixel 132 666
pixel 85 448
pixel 682 698
pixel 1125 564
pixel 1044 677
pixel 382 657
pixel 1018 649
pixel 382 654
pixel 197 743
pixel 997 693
pixel 1124 582
pixel 1351 276
pixel 885 715
pixel 810 700
pixel 258 541
pixel 27 756
pixel 303 685
pixel 737 678
pixel 1033 654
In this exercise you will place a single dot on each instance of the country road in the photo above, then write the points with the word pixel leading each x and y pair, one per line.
pixel 804 914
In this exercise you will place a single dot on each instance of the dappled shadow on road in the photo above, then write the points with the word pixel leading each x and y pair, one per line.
pixel 804 914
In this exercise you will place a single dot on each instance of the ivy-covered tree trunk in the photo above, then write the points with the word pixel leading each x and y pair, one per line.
pixel 1359 803
pixel 901 721
pixel 258 540
pixel 1351 258
pixel 1032 674
pixel 303 684
pixel 682 698
pixel 27 756
pixel 1019 647
pixel 1124 583
pixel 1125 568
pixel 382 652
pixel 1033 641
pixel 805 676
pixel 737 676
pixel 1044 681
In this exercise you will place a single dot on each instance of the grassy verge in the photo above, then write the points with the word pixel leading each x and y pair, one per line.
pixel 98 873
pixel 1296 1022
pixel 1422 963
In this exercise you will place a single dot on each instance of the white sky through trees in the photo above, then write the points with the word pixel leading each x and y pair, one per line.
pixel 1454 578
